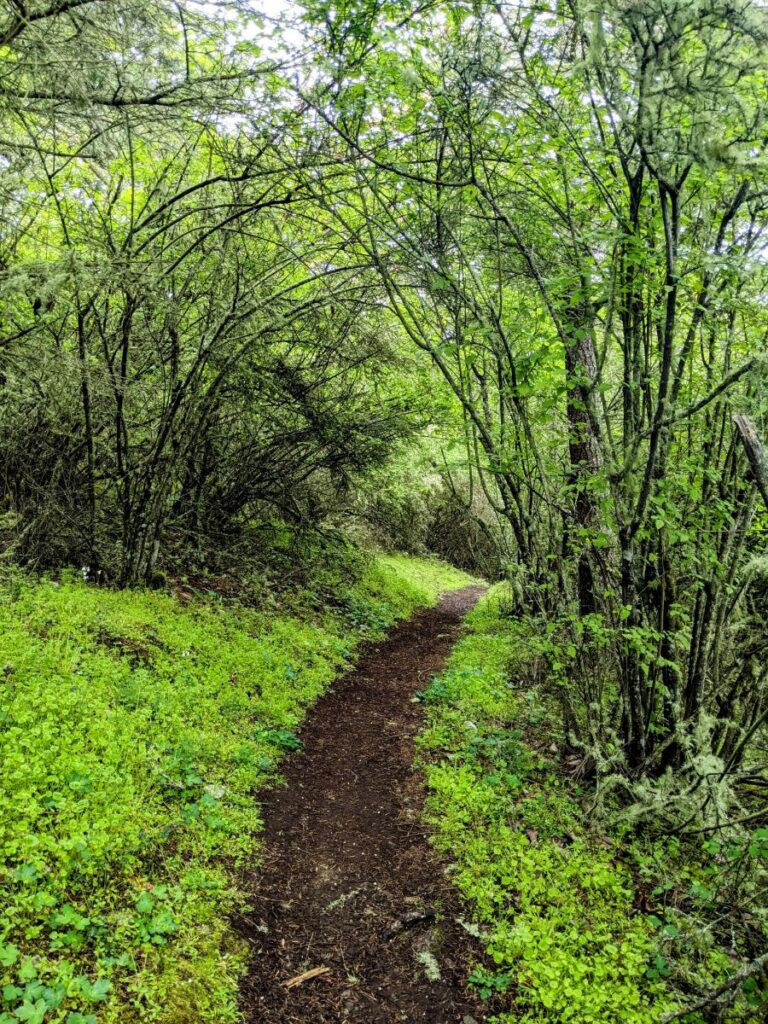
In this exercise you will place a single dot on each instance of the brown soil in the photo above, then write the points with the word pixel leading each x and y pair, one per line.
pixel 349 880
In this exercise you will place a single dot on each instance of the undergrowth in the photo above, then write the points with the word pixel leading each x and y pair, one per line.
pixel 558 905
pixel 134 730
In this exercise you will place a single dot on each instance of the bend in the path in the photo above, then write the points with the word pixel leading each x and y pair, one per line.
pixel 347 861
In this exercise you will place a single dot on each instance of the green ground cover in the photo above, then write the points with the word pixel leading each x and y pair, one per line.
pixel 553 899
pixel 134 730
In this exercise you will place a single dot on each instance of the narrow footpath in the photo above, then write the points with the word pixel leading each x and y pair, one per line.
pixel 350 887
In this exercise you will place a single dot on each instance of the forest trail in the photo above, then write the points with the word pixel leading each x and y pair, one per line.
pixel 347 863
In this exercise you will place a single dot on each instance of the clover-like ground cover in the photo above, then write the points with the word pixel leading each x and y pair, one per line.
pixel 134 730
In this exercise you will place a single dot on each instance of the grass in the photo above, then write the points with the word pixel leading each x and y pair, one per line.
pixel 134 731
pixel 553 904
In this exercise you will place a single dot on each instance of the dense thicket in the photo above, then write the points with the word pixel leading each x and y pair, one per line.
pixel 566 205
pixel 183 350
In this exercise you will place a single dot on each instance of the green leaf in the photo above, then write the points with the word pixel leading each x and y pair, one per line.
pixel 100 989
pixel 28 970
pixel 9 954
pixel 27 873
pixel 145 904
pixel 32 1013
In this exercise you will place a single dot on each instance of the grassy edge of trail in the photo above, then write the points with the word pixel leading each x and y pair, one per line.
pixel 552 904
pixel 134 730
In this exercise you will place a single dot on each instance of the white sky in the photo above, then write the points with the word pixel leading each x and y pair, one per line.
pixel 272 11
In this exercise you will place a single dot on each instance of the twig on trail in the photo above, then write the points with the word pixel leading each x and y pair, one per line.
pixel 725 994
pixel 408 921
pixel 306 976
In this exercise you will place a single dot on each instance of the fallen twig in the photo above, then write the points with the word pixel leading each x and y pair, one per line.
pixel 723 995
pixel 306 976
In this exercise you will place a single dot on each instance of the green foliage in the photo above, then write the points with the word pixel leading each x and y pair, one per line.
pixel 393 502
pixel 554 906
pixel 554 899
pixel 134 732
pixel 693 885
pixel 586 280
pixel 422 501
pixel 421 580
pixel 191 409
pixel 224 313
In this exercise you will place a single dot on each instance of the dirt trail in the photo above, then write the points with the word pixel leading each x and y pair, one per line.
pixel 347 865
